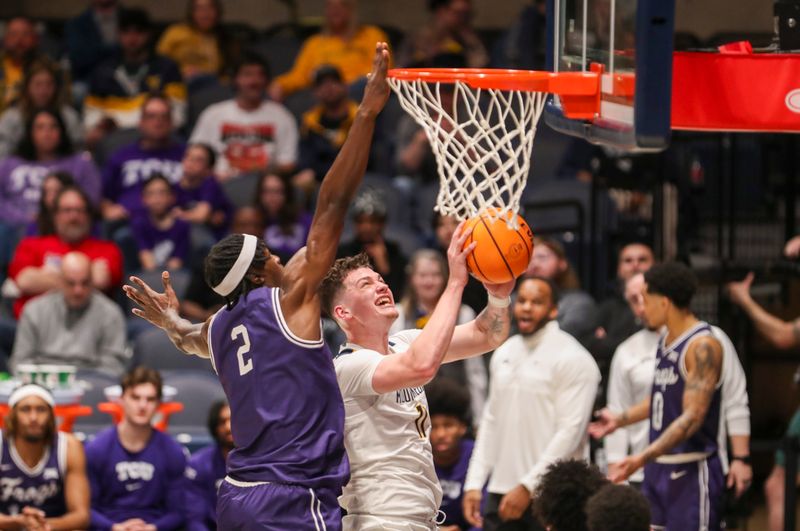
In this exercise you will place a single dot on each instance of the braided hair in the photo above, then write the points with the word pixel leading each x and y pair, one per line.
pixel 221 259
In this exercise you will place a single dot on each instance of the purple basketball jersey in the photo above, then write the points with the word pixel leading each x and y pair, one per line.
pixel 666 401
pixel 41 487
pixel 287 415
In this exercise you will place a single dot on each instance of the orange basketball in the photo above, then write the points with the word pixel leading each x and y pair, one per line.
pixel 502 254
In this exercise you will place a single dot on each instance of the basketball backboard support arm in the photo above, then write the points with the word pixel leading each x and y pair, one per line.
pixel 633 122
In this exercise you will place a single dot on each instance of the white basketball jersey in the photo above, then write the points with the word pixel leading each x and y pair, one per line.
pixel 387 438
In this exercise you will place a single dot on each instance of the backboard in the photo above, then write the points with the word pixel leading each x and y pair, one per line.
pixel 630 43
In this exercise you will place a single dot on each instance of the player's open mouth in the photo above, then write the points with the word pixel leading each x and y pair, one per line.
pixel 383 301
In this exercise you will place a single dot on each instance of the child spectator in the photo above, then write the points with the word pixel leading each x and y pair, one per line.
pixel 163 239
pixel 199 197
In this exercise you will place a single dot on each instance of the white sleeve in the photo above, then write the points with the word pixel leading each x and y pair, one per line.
pixel 619 399
pixel 484 454
pixel 576 390
pixel 736 409
pixel 354 372
pixel 287 139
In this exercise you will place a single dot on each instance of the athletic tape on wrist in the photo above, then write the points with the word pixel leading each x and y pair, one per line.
pixel 498 302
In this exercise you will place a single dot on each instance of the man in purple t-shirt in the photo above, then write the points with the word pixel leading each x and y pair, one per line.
pixel 154 152
pixel 289 464
pixel 136 472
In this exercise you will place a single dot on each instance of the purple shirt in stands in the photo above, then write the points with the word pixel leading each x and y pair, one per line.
pixel 131 166
pixel 452 481
pixel 206 472
pixel 41 486
pixel 209 191
pixel 149 484
pixel 286 244
pixel 165 244
pixel 21 184
pixel 287 415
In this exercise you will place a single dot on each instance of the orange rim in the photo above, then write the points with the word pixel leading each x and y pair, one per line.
pixel 565 83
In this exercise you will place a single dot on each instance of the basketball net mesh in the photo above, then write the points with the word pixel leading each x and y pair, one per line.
pixel 482 144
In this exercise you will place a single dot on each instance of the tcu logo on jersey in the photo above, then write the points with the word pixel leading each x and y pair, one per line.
pixel 134 470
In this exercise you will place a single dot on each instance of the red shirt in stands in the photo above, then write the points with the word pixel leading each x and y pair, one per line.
pixel 37 251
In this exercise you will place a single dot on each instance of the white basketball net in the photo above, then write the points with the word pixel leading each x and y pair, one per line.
pixel 482 148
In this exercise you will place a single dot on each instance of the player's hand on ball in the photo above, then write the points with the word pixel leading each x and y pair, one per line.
pixel 606 423
pixel 501 291
pixel 471 505
pixel 626 468
pixel 514 503
pixel 457 255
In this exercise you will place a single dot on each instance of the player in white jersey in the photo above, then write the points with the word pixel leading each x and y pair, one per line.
pixel 632 377
pixel 393 483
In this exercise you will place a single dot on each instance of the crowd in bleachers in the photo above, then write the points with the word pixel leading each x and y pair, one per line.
pixel 129 148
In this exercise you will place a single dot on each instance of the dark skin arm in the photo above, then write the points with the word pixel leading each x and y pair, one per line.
pixel 305 271
pixel 76 490
pixel 703 369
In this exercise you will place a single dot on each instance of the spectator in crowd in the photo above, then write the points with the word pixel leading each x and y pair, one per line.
pixel 200 302
pixel 42 88
pixel 449 406
pixel 783 335
pixel 343 43
pixel 525 44
pixel 92 37
pixel 617 508
pixel 324 128
pixel 45 147
pixel 200 46
pixel 450 32
pixel 249 133
pixel 443 228
pixel 156 151
pixel 35 265
pixel 44 470
pixel 53 183
pixel 120 85
pixel 630 381
pixel 576 308
pixel 541 392
pixel 369 216
pixel 559 501
pixel 427 277
pixel 199 197
pixel 20 43
pixel 73 325
pixel 162 238
pixel 286 222
pixel 207 471
pixel 614 319
pixel 135 471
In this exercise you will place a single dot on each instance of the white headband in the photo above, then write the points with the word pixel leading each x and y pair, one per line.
pixel 25 391
pixel 239 269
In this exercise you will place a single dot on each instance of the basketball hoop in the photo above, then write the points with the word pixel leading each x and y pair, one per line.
pixel 483 139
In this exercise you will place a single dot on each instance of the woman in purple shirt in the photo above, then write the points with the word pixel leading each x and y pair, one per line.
pixel 287 224
pixel 44 148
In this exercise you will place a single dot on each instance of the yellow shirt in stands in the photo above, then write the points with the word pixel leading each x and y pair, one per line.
pixel 194 51
pixel 11 82
pixel 353 58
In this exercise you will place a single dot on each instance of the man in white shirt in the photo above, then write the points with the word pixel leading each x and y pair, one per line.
pixel 249 133
pixel 630 382
pixel 393 483
pixel 542 387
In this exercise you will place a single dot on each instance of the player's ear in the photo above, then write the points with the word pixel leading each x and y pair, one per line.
pixel 340 313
